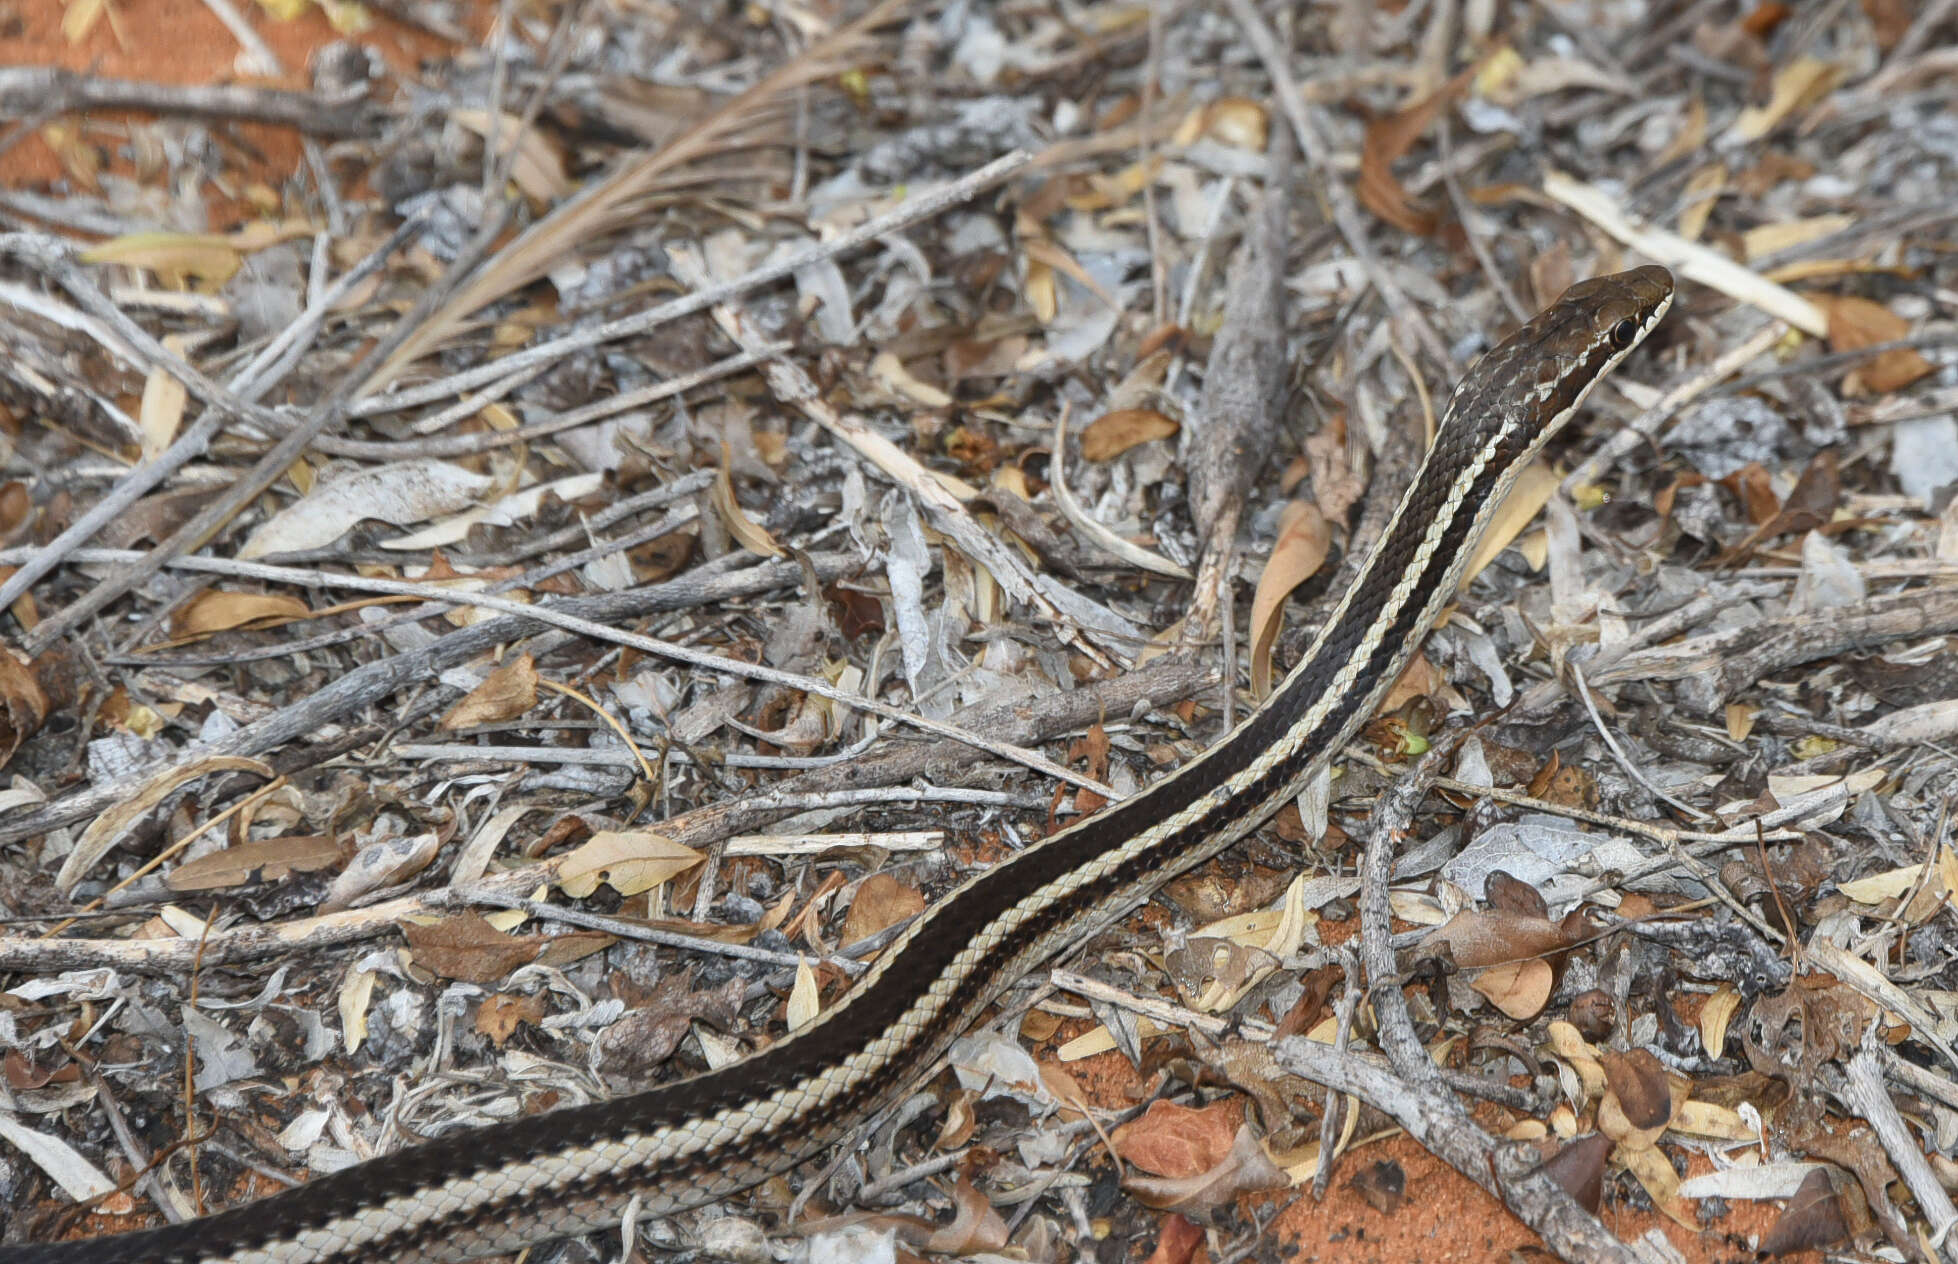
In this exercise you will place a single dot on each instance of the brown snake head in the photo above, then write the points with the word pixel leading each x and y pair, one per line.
pixel 1531 383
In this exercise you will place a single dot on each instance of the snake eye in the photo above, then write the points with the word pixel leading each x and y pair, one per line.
pixel 1624 333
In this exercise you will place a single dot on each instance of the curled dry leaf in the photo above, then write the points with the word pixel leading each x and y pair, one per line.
pixel 1303 539
pixel 1640 1086
pixel 629 861
pixel 220 611
pixel 504 694
pixel 1715 1016
pixel 1387 139
pixel 409 491
pixel 23 704
pixel 1578 1169
pixel 1111 434
pixel 381 863
pixel 751 535
pixel 975 1226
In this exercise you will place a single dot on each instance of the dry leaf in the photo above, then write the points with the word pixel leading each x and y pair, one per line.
pixel 1654 1171
pixel 1578 1169
pixel 805 999
pixel 1245 1169
pixel 881 901
pixel 1303 539
pixel 1177 1241
pixel 505 694
pixel 162 407
pixel 1336 487
pixel 976 1228
pixel 1715 1015
pixel 629 861
pixel 108 829
pixel 217 610
pixel 750 534
pixel 1387 139
pixel 1111 434
pixel 1534 488
pixel 23 705
pixel 1639 1084
pixel 257 860
pixel 499 1014
pixel 1477 938
pixel 468 948
pixel 1812 1220
pixel 1799 84
pixel 1519 989
pixel 408 491
pixel 1855 323
pixel 1177 1141
pixel 175 258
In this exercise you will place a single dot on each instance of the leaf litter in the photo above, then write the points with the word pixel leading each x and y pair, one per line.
pixel 1702 831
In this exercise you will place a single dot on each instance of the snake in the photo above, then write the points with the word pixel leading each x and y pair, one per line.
pixel 691 1142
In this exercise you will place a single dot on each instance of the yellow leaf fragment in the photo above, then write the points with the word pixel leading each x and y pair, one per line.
pixel 629 861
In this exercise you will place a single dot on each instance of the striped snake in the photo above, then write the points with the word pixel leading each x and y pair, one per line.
pixel 493 1190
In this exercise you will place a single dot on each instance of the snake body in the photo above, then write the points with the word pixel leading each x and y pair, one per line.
pixel 500 1188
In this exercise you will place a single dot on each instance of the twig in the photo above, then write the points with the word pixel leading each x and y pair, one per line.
pixel 31 89
pixel 1863 1092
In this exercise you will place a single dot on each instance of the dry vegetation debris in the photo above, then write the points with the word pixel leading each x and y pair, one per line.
pixel 528 605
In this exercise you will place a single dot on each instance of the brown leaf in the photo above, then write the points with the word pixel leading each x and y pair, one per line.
pixel 1812 1220
pixel 1178 1242
pixel 1111 434
pixel 220 611
pixel 1476 938
pixel 1382 1184
pixel 498 1016
pixel 1578 1169
pixel 1512 895
pixel 1303 539
pixel 636 1047
pixel 1387 139
pixel 1245 1169
pixel 1855 323
pixel 23 704
pixel 1594 1014
pixel 975 1226
pixel 1639 1083
pixel 505 694
pixel 881 901
pixel 468 948
pixel 1519 989
pixel 258 860
pixel 1176 1141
